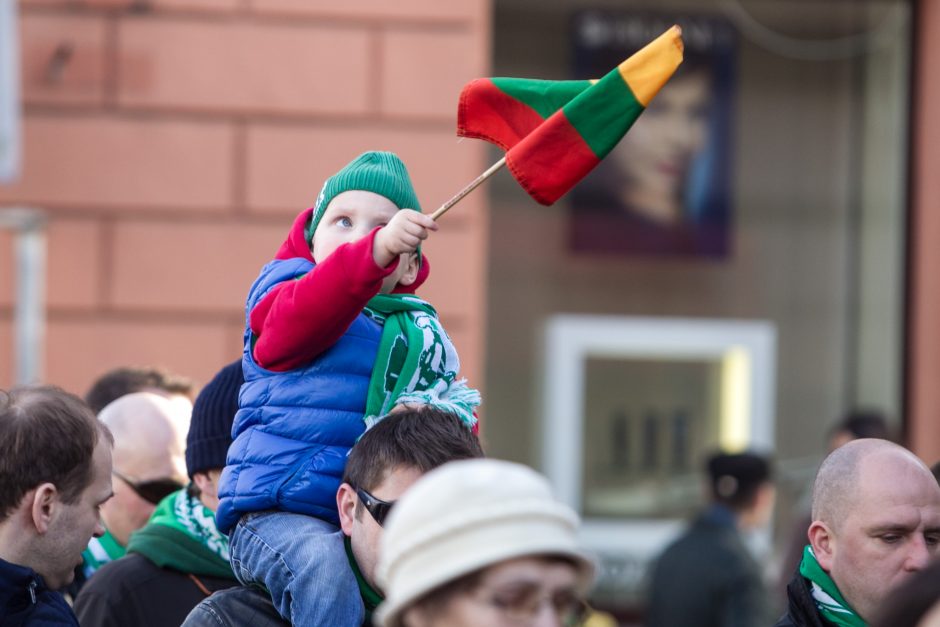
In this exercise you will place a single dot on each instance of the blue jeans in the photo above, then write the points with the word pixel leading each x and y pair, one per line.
pixel 302 562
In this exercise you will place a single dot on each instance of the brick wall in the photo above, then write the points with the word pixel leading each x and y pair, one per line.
pixel 923 335
pixel 171 143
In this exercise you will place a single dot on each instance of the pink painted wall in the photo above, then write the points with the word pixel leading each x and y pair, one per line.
pixel 923 420
pixel 175 145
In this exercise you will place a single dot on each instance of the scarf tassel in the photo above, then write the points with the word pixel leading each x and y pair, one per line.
pixel 456 398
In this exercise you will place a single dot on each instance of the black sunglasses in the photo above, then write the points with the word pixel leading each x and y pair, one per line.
pixel 152 491
pixel 378 508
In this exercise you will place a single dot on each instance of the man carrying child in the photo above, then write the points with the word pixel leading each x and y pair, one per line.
pixel 335 339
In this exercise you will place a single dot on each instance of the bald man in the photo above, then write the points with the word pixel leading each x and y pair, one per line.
pixel 149 444
pixel 876 521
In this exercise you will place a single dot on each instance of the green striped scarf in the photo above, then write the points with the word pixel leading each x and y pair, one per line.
pixel 182 535
pixel 100 551
pixel 829 600
pixel 416 363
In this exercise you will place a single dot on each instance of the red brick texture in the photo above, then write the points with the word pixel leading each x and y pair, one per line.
pixel 171 142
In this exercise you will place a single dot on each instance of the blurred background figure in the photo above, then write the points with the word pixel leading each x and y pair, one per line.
pixel 708 577
pixel 179 557
pixel 858 424
pixel 119 382
pixel 149 440
pixel 855 425
pixel 482 542
pixel 916 603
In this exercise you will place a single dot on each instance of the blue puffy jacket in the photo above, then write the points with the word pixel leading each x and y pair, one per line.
pixel 291 437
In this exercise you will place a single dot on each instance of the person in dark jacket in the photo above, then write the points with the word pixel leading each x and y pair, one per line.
pixel 708 577
pixel 382 465
pixel 179 557
pixel 55 473
pixel 876 522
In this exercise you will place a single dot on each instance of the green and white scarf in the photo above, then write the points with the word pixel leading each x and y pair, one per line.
pixel 829 600
pixel 182 535
pixel 416 363
pixel 99 552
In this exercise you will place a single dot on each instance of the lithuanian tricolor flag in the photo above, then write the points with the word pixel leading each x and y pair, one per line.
pixel 555 132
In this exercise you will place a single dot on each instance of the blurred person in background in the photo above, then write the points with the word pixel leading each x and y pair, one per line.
pixel 149 439
pixel 876 522
pixel 116 383
pixel 482 542
pixel 55 474
pixel 179 557
pixel 708 577
pixel 857 424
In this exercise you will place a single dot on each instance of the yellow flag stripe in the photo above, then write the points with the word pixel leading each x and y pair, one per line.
pixel 649 69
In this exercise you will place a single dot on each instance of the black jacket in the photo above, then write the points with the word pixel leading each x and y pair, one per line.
pixel 801 608
pixel 134 591
pixel 25 601
pixel 708 578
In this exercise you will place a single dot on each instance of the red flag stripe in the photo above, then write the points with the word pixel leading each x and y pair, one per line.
pixel 496 116
pixel 548 162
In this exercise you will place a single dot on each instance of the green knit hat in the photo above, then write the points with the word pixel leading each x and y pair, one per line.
pixel 382 173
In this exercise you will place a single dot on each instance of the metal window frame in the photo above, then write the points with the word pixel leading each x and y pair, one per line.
pixel 10 104
pixel 29 315
pixel 570 339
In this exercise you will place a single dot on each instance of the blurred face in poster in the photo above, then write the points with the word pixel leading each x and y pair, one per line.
pixel 655 157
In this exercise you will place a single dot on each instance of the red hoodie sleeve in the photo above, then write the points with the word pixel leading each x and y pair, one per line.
pixel 300 319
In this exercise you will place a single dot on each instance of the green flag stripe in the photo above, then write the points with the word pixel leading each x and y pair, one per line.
pixel 604 114
pixel 543 97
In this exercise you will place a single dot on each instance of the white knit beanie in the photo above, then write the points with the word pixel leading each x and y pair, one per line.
pixel 467 515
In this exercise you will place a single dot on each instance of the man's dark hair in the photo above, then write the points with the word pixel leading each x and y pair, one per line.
pixel 47 435
pixel 119 382
pixel 863 423
pixel 736 478
pixel 422 438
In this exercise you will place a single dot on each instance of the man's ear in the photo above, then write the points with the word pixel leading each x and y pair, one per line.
pixel 206 484
pixel 823 542
pixel 346 501
pixel 411 272
pixel 45 501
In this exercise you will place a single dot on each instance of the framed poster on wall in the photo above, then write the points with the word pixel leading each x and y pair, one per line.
pixel 664 190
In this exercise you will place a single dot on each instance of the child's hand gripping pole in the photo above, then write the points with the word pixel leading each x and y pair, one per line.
pixel 403 234
pixel 469 188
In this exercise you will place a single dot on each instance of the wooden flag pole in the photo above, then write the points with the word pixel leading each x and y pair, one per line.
pixel 469 188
